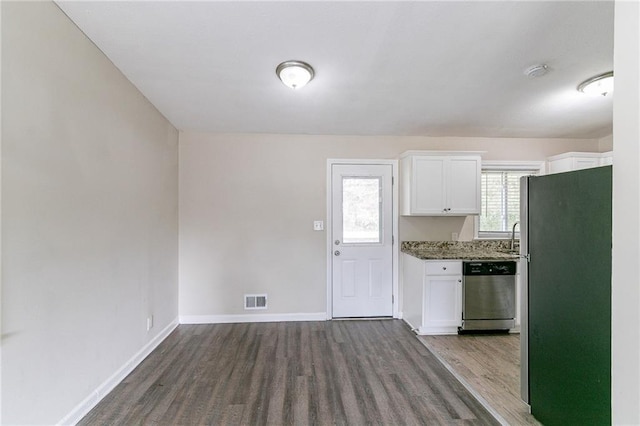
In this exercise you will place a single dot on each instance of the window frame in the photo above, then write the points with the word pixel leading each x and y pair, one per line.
pixel 505 166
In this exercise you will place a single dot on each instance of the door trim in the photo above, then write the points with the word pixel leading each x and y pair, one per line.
pixel 394 220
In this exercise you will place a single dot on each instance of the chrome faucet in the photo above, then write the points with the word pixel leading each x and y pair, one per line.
pixel 513 234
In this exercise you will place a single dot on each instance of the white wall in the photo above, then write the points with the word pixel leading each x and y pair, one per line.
pixel 0 215
pixel 89 216
pixel 625 366
pixel 248 202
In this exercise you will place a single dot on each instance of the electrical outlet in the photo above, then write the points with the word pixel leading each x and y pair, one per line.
pixel 318 225
pixel 454 236
pixel 149 323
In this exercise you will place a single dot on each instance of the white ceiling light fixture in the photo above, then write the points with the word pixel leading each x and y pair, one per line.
pixel 295 74
pixel 600 85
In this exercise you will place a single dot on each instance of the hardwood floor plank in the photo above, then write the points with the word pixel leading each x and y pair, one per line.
pixel 316 373
pixel 275 400
pixel 320 378
pixel 491 365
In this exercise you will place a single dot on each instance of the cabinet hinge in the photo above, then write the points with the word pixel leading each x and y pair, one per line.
pixel 393 180
pixel 393 299
pixel 393 240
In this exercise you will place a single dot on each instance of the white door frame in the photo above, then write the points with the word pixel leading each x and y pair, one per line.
pixel 396 242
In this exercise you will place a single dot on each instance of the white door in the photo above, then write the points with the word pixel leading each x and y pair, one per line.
pixel 362 250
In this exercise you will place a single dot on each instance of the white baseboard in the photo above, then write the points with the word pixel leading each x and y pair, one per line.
pixel 411 326
pixel 96 396
pixel 219 319
pixel 437 331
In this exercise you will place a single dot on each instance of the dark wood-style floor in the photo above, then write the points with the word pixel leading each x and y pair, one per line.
pixel 333 372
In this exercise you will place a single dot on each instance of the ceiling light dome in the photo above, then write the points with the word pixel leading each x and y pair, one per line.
pixel 599 85
pixel 295 74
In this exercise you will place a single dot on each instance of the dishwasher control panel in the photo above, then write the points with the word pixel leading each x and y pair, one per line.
pixel 489 268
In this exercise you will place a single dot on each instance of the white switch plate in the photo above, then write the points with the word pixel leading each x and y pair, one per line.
pixel 318 225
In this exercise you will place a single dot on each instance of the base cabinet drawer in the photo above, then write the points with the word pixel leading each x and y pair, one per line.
pixel 444 267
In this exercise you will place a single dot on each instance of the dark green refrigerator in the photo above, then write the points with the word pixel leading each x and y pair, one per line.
pixel 565 270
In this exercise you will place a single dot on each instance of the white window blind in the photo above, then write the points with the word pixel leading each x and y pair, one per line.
pixel 500 201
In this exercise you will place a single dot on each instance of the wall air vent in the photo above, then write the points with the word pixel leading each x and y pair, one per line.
pixel 255 301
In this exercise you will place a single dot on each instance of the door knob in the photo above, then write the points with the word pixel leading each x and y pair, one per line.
pixel 337 252
pixel 336 242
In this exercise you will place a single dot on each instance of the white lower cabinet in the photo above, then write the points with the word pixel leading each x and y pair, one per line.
pixel 432 295
pixel 442 305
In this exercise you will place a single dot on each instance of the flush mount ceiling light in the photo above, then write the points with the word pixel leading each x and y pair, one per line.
pixel 295 74
pixel 599 85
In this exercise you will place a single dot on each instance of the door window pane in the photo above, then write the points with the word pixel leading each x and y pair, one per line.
pixel 361 203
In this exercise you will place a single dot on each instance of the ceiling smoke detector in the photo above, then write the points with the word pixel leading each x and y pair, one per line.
pixel 537 70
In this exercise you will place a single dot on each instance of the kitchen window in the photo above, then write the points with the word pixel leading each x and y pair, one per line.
pixel 500 188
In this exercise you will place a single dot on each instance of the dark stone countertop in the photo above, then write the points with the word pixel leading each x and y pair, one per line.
pixel 461 250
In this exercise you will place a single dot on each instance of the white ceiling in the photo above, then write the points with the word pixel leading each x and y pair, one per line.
pixel 382 68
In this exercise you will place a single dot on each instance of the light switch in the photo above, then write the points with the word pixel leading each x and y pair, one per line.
pixel 318 225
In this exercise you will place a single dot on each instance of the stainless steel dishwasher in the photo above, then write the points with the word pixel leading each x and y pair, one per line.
pixel 488 295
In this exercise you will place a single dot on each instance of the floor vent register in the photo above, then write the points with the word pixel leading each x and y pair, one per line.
pixel 255 301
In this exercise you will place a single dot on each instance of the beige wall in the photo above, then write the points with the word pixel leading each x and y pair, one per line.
pixel 606 144
pixel 89 216
pixel 248 202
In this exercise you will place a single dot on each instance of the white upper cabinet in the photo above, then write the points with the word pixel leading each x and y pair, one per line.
pixel 570 161
pixel 606 158
pixel 440 184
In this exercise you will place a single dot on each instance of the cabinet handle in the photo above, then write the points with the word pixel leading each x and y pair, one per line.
pixel 444 268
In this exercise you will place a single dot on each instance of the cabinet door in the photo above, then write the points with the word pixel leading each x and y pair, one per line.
pixel 585 163
pixel 606 159
pixel 559 166
pixel 463 185
pixel 427 185
pixel 443 303
pixel 585 160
